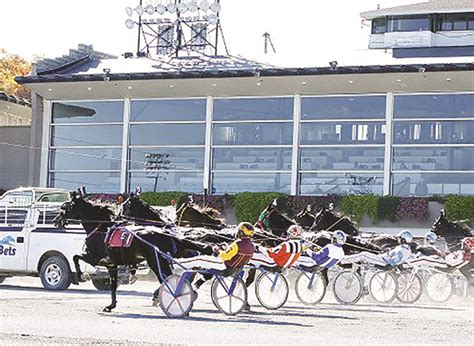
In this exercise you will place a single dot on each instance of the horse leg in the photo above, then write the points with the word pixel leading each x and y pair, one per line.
pixel 162 270
pixel 79 273
pixel 324 272
pixel 466 271
pixel 113 272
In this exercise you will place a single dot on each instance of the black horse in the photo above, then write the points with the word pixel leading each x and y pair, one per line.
pixel 99 226
pixel 134 209
pixel 453 233
pixel 305 218
pixel 190 215
pixel 271 220
pixel 325 220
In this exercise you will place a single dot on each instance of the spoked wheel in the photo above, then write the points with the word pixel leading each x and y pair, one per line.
pixel 310 288
pixel 230 303
pixel 383 287
pixel 272 290
pixel 410 287
pixel 348 287
pixel 439 287
pixel 172 302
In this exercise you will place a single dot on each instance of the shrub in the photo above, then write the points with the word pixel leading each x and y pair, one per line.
pixel 412 208
pixel 357 206
pixel 387 208
pixel 249 205
pixel 460 208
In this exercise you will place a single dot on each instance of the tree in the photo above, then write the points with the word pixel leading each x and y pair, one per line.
pixel 11 66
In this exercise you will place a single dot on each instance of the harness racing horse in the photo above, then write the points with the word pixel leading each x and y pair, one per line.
pixel 305 218
pixel 453 233
pixel 133 208
pixel 190 215
pixel 101 229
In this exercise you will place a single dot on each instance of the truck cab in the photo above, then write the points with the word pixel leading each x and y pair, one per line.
pixel 31 245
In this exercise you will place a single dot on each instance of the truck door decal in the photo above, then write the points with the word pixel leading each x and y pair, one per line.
pixel 7 246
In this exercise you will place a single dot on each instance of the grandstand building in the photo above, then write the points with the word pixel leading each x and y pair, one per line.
pixel 402 126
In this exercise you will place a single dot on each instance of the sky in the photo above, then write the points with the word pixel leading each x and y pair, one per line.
pixel 304 32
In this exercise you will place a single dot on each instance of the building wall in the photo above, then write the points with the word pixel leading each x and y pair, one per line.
pixel 14 152
pixel 405 144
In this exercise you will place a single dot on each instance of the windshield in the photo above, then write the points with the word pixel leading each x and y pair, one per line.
pixel 54 197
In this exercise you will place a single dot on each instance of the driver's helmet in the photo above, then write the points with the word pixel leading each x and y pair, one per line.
pixel 339 237
pixel 294 231
pixel 405 237
pixel 245 229
pixel 431 237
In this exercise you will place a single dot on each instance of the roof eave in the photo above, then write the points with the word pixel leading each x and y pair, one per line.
pixel 369 15
pixel 269 72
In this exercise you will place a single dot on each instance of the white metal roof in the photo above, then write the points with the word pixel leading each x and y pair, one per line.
pixel 432 6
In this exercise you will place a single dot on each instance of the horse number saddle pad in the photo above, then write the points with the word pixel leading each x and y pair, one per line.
pixel 120 238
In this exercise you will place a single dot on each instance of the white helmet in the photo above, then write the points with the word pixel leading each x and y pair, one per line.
pixel 406 236
pixel 340 237
pixel 295 231
pixel 431 237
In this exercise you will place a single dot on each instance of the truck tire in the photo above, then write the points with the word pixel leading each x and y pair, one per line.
pixel 55 274
pixel 101 284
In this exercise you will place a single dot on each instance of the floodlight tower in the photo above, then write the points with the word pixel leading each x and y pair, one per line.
pixel 166 27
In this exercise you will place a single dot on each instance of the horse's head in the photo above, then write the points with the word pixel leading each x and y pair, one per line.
pixel 442 227
pixel 304 218
pixel 78 209
pixel 326 220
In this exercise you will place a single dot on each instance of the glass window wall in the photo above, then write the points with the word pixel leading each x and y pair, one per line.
pixel 258 159
pixel 343 133
pixel 434 132
pixel 433 158
pixel 428 184
pixel 341 159
pixel 167 181
pixel 253 134
pixel 280 108
pixel 87 112
pixel 340 183
pixel 343 107
pixel 434 106
pixel 168 110
pixel 256 182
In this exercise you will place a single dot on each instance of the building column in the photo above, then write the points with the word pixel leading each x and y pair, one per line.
pixel 125 141
pixel 43 137
pixel 296 142
pixel 207 184
pixel 387 174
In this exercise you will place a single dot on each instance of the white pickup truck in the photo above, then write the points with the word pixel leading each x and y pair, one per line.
pixel 30 244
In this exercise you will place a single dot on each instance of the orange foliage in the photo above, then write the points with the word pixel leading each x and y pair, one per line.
pixel 11 66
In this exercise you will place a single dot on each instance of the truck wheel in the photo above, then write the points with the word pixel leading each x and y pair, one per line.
pixel 2 278
pixel 55 274
pixel 101 284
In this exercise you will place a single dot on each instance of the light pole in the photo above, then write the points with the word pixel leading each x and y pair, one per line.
pixel 156 164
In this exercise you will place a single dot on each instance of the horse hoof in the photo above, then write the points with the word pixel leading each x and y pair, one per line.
pixel 85 277
pixel 195 296
pixel 106 309
pixel 154 302
pixel 246 307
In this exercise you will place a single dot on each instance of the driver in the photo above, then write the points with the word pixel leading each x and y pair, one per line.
pixel 398 255
pixel 328 256
pixel 283 255
pixel 235 255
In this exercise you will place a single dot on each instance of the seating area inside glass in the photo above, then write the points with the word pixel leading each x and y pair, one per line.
pixel 309 145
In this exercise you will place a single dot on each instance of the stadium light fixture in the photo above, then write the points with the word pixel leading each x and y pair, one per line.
pixel 204 6
pixel 213 19
pixel 171 7
pixel 193 7
pixel 182 7
pixel 129 11
pixel 129 23
pixel 139 9
pixel 150 9
pixel 215 7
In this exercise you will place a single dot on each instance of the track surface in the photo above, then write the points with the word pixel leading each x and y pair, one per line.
pixel 31 315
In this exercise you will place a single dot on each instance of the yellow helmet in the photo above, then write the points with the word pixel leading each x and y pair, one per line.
pixel 245 229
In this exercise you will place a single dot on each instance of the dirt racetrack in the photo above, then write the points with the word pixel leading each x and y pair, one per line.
pixel 31 315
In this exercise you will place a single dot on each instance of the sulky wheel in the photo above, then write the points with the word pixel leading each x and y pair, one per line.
pixel 348 287
pixel 383 287
pixel 410 287
pixel 227 301
pixel 439 287
pixel 272 290
pixel 310 288
pixel 173 303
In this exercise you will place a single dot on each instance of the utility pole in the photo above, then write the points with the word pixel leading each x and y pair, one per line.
pixel 268 40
